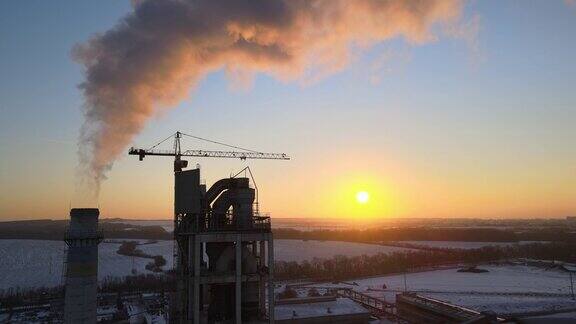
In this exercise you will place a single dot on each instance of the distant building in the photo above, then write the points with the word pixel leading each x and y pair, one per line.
pixel 418 309
pixel 320 310
pixel 571 221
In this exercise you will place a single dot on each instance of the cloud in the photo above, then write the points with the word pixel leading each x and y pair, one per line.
pixel 467 31
pixel 158 53
pixel 389 61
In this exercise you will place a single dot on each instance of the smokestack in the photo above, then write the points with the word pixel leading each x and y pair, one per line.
pixel 158 53
pixel 82 239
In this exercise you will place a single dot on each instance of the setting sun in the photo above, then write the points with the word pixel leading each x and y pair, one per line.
pixel 362 197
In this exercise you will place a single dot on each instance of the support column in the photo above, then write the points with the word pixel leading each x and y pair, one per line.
pixel 196 300
pixel 188 284
pixel 270 278
pixel 262 283
pixel 238 278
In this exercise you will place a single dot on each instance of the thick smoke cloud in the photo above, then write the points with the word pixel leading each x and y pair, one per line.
pixel 156 54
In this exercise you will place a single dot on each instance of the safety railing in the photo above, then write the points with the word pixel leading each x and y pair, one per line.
pixel 224 223
pixel 83 237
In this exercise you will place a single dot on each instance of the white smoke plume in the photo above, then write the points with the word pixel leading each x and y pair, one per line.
pixel 157 53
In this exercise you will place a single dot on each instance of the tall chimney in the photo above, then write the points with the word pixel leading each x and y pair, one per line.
pixel 82 238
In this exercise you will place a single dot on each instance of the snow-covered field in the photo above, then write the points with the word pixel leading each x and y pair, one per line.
pixel 30 263
pixel 457 244
pixel 298 250
pixel 462 244
pixel 33 263
pixel 504 289
pixel 163 248
pixel 293 250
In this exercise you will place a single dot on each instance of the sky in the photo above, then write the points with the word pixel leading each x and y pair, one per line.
pixel 475 126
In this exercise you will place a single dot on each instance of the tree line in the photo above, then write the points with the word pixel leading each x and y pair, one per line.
pixel 344 267
pixel 129 248
pixel 552 234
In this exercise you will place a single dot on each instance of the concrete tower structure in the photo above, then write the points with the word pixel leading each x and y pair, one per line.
pixel 225 260
pixel 82 239
pixel 224 252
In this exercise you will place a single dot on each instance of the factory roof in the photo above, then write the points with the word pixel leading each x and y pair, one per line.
pixel 340 306
pixel 435 305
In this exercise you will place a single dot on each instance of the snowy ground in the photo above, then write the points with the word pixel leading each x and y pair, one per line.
pixel 30 263
pixel 293 250
pixel 297 250
pixel 457 244
pixel 504 289
pixel 462 244
pixel 33 263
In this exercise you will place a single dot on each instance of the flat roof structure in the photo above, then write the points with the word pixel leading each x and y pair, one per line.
pixel 339 310
pixel 413 307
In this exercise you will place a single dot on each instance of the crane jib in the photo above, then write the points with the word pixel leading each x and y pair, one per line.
pixel 177 152
pixel 206 153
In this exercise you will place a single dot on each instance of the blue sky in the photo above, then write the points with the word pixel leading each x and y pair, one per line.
pixel 446 130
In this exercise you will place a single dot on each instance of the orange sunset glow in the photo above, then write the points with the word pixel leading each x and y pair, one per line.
pixel 427 110
pixel 288 161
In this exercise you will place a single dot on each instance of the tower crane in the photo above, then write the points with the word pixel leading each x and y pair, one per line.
pixel 178 153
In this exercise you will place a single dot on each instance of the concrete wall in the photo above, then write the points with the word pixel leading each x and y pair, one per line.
pixel 188 192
